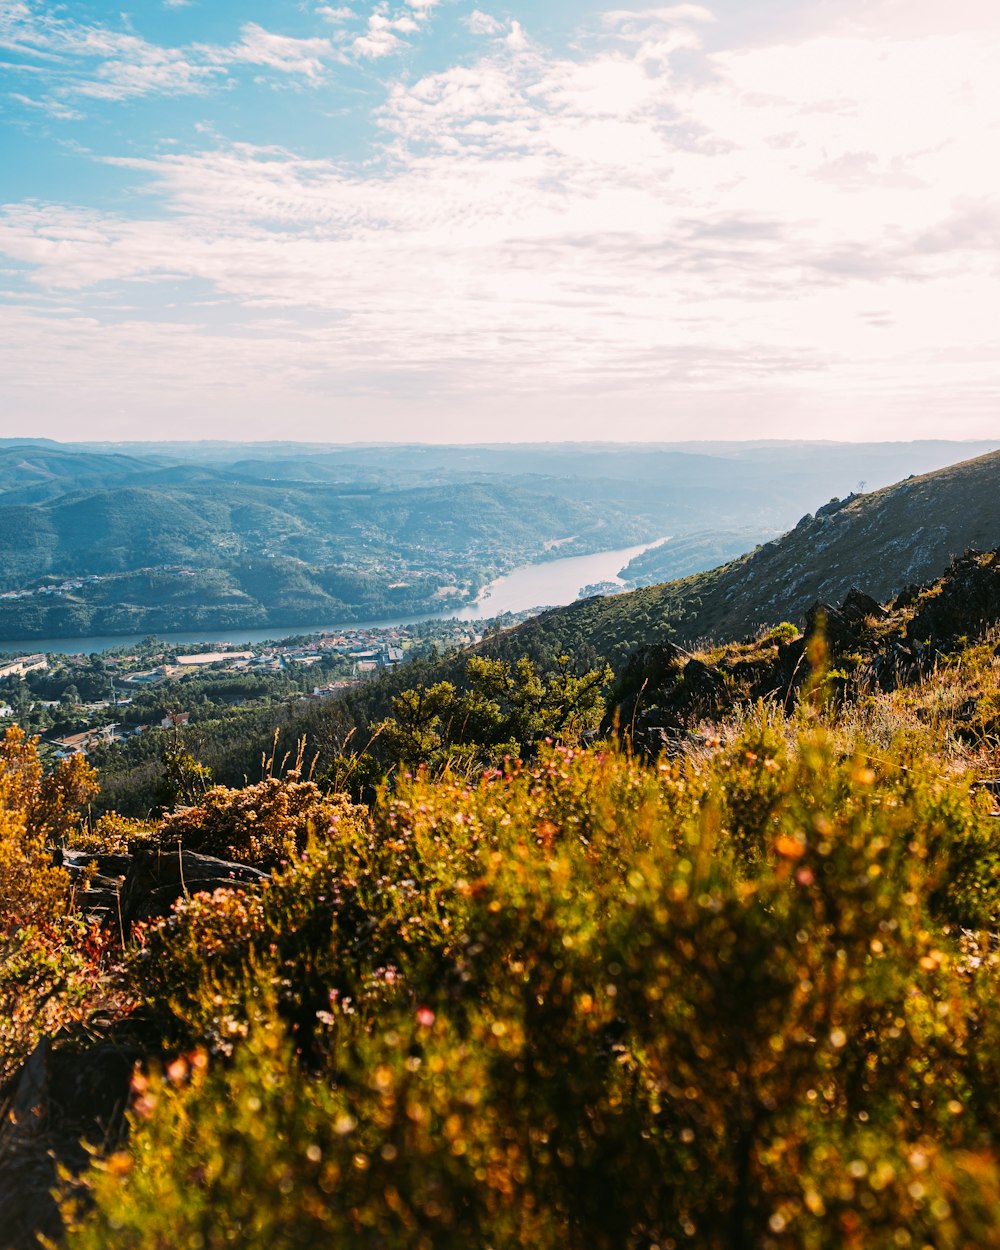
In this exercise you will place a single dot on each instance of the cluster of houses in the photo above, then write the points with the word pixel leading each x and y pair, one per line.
pixel 23 664
pixel 77 583
pixel 64 588
pixel 366 659
pixel 99 736
pixel 367 649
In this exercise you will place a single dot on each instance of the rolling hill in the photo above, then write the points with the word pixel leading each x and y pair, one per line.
pixel 134 558
pixel 139 537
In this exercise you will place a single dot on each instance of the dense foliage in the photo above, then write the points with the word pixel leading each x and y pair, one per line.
pixel 468 710
pixel 43 964
pixel 540 991
pixel 500 711
pixel 721 1001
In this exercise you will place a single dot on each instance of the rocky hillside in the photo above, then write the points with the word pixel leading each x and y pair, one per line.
pixel 947 629
pixel 879 543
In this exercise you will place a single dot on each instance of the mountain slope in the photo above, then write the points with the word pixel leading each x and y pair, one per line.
pixel 879 543
pixel 140 557
pixel 36 473
pixel 945 631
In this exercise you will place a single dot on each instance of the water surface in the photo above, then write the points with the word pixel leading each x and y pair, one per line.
pixel 553 583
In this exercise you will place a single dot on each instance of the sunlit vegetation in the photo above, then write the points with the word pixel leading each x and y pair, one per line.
pixel 538 990
pixel 44 973
pixel 720 1001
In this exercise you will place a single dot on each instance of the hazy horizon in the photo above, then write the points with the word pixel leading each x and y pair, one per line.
pixel 365 444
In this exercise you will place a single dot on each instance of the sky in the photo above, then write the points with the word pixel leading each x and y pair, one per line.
pixel 445 221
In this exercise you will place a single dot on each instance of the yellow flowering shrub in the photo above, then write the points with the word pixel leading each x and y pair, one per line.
pixel 722 1001
pixel 41 960
pixel 263 824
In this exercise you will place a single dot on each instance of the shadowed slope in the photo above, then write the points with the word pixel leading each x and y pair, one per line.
pixel 880 543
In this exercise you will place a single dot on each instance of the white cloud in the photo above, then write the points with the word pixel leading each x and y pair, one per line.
pixel 799 229
pixel 516 40
pixel 379 40
pixel 135 68
pixel 54 108
pixel 338 15
pixel 479 23
pixel 258 46
pixel 640 18
pixel 80 59
pixel 89 60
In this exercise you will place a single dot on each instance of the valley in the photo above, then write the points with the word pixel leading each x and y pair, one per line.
pixel 146 539
pixel 500 626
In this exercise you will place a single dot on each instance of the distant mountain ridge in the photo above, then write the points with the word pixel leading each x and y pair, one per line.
pixel 878 542
pixel 132 538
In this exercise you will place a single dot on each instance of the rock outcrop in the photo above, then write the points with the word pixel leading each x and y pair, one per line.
pixel 123 889
pixel 664 692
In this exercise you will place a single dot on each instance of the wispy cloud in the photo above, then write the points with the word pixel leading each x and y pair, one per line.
pixel 694 231
pixel 257 46
pixel 480 23
pixel 637 23
pixel 55 108
pixel 89 60
pixel 86 59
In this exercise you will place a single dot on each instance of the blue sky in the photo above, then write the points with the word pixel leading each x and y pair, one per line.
pixel 453 221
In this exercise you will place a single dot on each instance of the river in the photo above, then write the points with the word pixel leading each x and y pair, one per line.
pixel 552 583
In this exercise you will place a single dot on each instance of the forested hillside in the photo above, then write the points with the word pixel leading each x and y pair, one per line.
pixel 878 542
pixel 141 538
pixel 141 559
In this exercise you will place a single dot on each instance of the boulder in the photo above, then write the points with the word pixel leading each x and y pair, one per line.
pixel 967 605
pixel 661 694
pixel 840 632
pixel 96 881
pixel 649 666
pixel 858 606
pixel 157 878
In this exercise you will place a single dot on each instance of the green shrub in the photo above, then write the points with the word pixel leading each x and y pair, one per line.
pixel 784 632
pixel 265 824
pixel 590 1005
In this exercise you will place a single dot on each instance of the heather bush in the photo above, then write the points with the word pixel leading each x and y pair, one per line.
pixel 722 1001
pixel 42 948
pixel 265 824
pixel 113 834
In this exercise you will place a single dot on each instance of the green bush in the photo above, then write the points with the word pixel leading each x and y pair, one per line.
pixel 582 1003
pixel 264 824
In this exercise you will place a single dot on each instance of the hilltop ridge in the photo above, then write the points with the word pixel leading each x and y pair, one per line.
pixel 878 542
